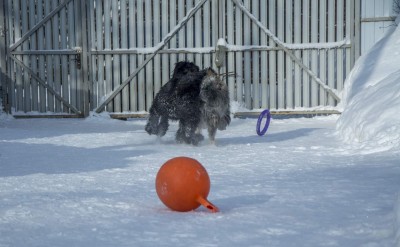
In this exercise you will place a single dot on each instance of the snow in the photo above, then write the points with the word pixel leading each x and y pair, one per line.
pixel 371 98
pixel 318 46
pixel 91 182
pixel 222 42
pixel 229 47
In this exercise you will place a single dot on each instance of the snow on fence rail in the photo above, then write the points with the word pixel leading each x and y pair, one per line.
pixel 292 54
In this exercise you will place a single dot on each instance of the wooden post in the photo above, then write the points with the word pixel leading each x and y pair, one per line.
pixel 149 83
pixel 247 59
pixel 3 60
pixel 124 58
pixel 289 63
pixel 116 60
pixel 239 55
pixel 42 58
pixel 331 53
pixel 340 52
pixel 280 33
pixel 157 38
pixel 255 61
pixel 356 31
pixel 314 54
pixel 272 56
pixel 297 40
pixel 323 53
pixel 306 54
pixel 86 58
pixel 264 59
pixel 133 91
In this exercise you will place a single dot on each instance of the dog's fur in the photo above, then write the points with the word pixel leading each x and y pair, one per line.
pixel 197 99
pixel 178 103
pixel 215 112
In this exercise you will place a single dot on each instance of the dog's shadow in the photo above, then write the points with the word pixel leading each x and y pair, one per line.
pixel 268 138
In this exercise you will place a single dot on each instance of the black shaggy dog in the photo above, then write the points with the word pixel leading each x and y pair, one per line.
pixel 179 103
pixel 197 99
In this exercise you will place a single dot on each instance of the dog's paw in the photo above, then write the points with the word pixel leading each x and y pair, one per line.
pixel 150 129
pixel 180 137
pixel 196 138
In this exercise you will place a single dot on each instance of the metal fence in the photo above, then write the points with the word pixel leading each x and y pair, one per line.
pixel 72 57
pixel 376 17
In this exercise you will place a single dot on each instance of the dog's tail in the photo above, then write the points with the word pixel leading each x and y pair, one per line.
pixel 224 121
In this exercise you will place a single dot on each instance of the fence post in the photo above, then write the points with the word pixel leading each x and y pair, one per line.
pixel 82 40
pixel 3 60
pixel 355 31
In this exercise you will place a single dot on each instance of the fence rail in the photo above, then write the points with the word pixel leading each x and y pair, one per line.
pixel 71 56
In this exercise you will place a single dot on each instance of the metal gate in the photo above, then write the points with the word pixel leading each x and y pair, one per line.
pixel 136 47
pixel 71 57
pixel 44 41
pixel 288 54
pixel 284 54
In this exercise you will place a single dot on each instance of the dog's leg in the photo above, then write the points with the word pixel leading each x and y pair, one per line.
pixel 196 138
pixel 180 134
pixel 186 133
pixel 163 126
pixel 152 124
pixel 211 134
pixel 194 133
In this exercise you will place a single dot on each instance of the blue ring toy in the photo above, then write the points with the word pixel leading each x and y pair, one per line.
pixel 260 118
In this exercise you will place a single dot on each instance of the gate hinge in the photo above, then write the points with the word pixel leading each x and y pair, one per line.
pixel 220 52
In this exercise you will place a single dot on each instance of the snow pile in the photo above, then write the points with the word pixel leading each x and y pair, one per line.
pixel 371 98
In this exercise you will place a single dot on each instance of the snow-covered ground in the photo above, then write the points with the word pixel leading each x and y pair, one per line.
pixel 91 182
pixel 322 181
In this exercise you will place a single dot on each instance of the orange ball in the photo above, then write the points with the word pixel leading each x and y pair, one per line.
pixel 183 184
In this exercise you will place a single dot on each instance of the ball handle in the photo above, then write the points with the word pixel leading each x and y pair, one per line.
pixel 211 207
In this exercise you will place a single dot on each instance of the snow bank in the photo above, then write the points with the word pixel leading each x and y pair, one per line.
pixel 371 98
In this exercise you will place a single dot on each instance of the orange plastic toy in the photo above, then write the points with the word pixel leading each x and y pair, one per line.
pixel 183 184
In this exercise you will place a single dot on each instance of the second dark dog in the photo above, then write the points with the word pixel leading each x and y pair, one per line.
pixel 215 111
